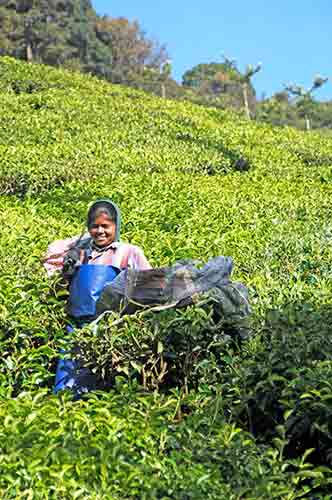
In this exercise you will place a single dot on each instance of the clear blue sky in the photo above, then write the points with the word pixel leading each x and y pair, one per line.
pixel 292 38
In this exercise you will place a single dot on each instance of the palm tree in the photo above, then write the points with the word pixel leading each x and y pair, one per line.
pixel 304 96
pixel 245 80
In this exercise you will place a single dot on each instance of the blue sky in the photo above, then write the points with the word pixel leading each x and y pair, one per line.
pixel 292 38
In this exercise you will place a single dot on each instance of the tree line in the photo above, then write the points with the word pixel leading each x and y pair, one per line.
pixel 69 33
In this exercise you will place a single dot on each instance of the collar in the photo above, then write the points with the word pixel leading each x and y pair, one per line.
pixel 113 245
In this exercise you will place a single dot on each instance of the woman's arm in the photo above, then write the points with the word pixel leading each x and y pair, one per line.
pixel 133 258
pixel 56 251
pixel 137 260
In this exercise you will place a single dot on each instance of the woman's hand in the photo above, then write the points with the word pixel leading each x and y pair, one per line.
pixel 73 259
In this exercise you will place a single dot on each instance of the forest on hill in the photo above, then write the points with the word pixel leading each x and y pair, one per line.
pixel 195 402
pixel 71 34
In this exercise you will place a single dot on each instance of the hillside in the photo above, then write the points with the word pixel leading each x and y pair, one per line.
pixel 254 421
pixel 71 35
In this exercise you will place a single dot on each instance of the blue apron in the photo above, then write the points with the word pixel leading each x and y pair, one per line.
pixel 85 289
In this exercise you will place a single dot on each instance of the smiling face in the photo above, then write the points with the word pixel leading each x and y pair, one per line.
pixel 103 230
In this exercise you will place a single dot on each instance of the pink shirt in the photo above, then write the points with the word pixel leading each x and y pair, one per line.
pixel 121 255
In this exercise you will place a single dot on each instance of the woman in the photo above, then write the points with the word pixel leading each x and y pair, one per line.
pixel 100 246
pixel 89 263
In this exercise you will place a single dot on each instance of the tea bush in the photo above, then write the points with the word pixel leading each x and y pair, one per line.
pixel 251 420
pixel 132 445
pixel 264 391
pixel 176 348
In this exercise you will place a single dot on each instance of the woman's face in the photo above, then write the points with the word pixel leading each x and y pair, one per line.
pixel 103 230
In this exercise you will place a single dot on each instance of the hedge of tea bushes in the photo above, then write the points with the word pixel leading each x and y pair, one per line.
pixel 253 422
pixel 134 445
pixel 57 126
pixel 284 261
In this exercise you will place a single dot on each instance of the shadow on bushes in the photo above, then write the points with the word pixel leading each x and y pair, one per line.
pixel 234 158
pixel 288 382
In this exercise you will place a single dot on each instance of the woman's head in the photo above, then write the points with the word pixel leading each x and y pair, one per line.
pixel 104 222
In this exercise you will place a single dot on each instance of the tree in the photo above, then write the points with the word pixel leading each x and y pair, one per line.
pixel 70 33
pixel 219 84
pixel 245 80
pixel 214 77
pixel 166 71
pixel 304 97
pixel 54 32
pixel 132 51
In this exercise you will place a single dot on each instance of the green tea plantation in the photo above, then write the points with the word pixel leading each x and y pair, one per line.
pixel 240 418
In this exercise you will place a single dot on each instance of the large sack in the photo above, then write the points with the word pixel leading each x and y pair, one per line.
pixel 181 284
